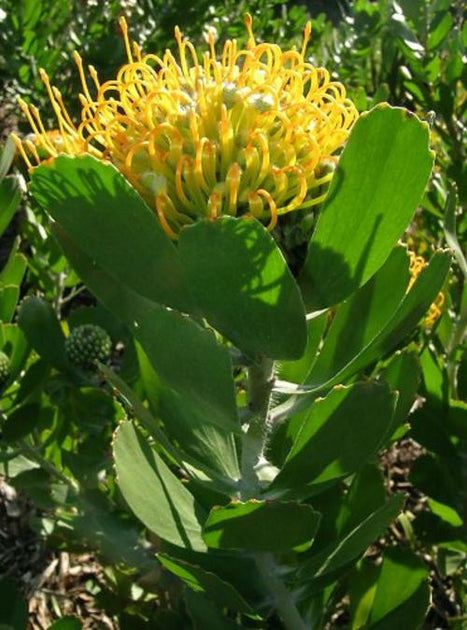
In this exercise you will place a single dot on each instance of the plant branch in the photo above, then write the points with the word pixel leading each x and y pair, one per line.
pixel 283 600
pixel 260 382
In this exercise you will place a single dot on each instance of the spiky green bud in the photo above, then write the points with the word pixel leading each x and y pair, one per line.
pixel 4 368
pixel 86 344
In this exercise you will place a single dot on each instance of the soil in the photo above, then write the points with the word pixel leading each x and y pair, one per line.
pixel 54 584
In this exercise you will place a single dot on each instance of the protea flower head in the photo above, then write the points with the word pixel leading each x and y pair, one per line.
pixel 248 132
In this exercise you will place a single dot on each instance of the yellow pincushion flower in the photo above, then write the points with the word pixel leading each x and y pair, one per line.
pixel 252 132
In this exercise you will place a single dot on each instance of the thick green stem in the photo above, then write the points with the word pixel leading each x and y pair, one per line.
pixel 260 378
pixel 283 601
pixel 260 382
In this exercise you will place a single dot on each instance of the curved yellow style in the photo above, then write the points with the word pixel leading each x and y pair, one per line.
pixel 248 132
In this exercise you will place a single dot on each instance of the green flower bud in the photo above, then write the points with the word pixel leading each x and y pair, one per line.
pixel 4 368
pixel 87 344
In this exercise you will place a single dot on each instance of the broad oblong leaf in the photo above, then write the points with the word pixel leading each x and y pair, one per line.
pixel 190 360
pixel 13 272
pixel 343 551
pixel 205 582
pixel 205 441
pixel 186 356
pixel 244 287
pixel 40 324
pixel 338 435
pixel 10 197
pixel 370 324
pixel 263 526
pixel 96 206
pixel 373 195
pixel 394 594
pixel 208 445
pixel 153 492
pixel 402 592
pixel 205 615
pixel 9 296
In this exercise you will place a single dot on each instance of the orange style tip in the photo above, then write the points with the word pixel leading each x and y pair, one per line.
pixel 248 21
pixel 307 29
pixel 123 24
pixel 16 139
pixel 77 57
pixel 43 75
pixel 178 34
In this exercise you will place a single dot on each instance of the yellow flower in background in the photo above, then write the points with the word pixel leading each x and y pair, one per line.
pixel 416 266
pixel 249 132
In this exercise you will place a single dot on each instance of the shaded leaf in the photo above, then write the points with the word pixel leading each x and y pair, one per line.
pixel 153 492
pixel 338 435
pixel 244 287
pixel 354 543
pixel 261 526
pixel 97 208
pixel 40 325
pixel 373 195
pixel 206 582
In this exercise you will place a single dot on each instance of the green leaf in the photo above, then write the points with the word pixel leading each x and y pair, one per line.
pixel 13 608
pixel 142 413
pixel 401 29
pixel 10 197
pixel 346 549
pixel 439 29
pixel 361 590
pixel 296 371
pixel 373 195
pixel 244 287
pixel 39 323
pixel 188 358
pixel 207 583
pixel 153 492
pixel 261 526
pixel 9 296
pixel 205 615
pixel 402 593
pixel 96 206
pixel 13 272
pixel 67 623
pixel 372 322
pixel 7 156
pixel 402 375
pixel 394 594
pixel 25 419
pixel 204 440
pixel 366 494
pixel 14 343
pixel 338 435
pixel 429 475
